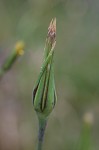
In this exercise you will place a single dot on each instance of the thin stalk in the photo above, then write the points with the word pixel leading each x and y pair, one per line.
pixel 42 127
pixel 1 72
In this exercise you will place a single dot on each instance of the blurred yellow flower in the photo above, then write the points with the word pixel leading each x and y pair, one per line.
pixel 20 48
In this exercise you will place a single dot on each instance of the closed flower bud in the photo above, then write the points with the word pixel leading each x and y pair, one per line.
pixel 44 94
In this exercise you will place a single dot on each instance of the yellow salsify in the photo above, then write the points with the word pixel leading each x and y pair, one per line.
pixel 20 48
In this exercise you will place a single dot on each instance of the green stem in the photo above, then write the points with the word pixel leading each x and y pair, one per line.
pixel 1 72
pixel 8 64
pixel 42 127
pixel 85 139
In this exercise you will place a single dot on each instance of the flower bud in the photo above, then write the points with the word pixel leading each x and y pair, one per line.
pixel 44 94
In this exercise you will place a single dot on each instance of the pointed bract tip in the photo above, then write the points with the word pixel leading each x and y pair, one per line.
pixel 52 30
pixel 54 24
pixel 50 25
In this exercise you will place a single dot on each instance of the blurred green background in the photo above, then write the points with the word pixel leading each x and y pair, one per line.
pixel 76 72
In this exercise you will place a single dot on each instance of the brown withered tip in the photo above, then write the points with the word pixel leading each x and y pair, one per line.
pixel 52 29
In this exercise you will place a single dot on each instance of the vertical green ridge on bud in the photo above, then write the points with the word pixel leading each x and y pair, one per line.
pixel 44 94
